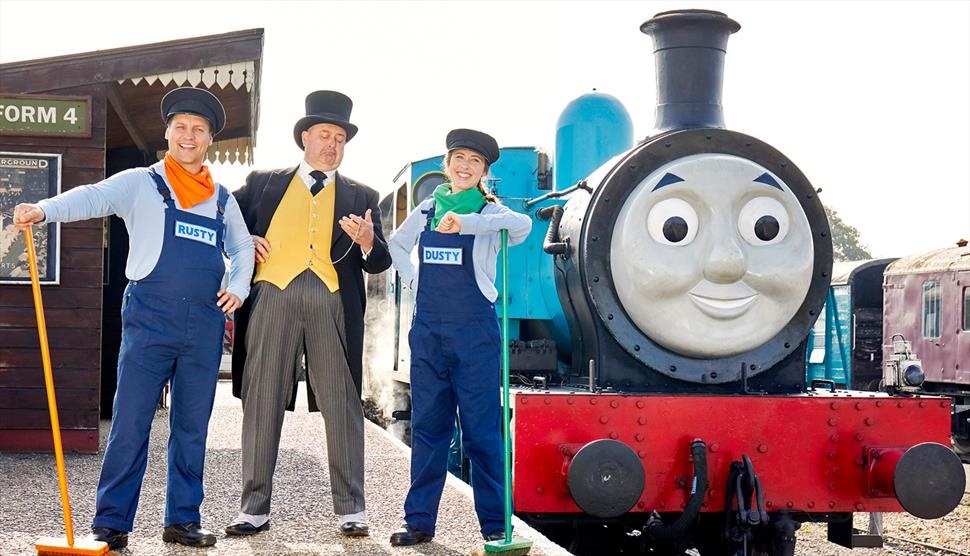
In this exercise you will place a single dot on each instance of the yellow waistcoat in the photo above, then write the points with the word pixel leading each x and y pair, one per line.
pixel 300 235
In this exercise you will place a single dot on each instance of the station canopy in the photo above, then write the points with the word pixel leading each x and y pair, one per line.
pixel 135 79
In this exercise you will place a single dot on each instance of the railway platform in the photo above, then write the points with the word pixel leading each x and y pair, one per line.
pixel 302 517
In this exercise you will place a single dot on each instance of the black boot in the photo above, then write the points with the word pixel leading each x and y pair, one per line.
pixel 189 534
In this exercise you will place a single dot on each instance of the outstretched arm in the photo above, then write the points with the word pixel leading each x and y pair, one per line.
pixel 115 195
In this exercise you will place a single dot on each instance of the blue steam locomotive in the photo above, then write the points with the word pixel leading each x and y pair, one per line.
pixel 660 314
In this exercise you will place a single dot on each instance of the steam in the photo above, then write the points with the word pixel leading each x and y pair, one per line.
pixel 382 394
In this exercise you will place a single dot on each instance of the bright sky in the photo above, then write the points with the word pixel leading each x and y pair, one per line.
pixel 870 99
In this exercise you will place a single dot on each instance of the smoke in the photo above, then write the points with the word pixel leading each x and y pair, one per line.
pixel 382 394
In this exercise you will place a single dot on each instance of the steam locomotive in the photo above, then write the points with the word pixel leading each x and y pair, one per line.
pixel 663 402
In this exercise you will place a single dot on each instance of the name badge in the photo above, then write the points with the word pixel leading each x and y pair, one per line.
pixel 195 232
pixel 442 255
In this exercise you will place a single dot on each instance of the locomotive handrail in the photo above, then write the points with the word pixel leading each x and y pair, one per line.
pixel 581 184
pixel 553 245
pixel 817 382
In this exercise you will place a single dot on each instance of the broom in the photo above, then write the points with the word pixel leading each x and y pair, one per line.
pixel 510 546
pixel 55 545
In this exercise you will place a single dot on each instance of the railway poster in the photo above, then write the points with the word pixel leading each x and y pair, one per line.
pixel 28 178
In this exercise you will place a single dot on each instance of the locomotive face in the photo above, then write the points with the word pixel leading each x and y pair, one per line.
pixel 711 255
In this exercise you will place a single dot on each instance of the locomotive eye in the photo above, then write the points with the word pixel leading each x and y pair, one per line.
pixel 672 222
pixel 763 221
pixel 766 228
pixel 675 229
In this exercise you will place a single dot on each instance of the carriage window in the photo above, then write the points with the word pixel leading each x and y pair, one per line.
pixel 966 308
pixel 931 309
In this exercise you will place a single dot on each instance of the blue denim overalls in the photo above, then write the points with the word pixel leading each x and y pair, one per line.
pixel 171 331
pixel 455 350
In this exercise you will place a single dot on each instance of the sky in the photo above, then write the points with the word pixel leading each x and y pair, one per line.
pixel 870 99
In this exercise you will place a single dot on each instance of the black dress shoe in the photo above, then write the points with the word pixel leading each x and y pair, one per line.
pixel 244 528
pixel 496 535
pixel 407 535
pixel 189 534
pixel 354 529
pixel 113 538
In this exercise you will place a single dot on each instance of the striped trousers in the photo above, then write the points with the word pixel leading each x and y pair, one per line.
pixel 284 324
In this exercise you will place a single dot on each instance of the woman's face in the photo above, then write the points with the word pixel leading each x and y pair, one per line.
pixel 465 169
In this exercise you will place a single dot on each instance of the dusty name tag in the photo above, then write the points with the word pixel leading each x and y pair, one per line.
pixel 442 255
pixel 195 232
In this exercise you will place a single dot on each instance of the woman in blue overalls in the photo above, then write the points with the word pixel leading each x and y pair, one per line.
pixel 454 337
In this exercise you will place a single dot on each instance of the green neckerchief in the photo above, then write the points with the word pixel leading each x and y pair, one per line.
pixel 467 202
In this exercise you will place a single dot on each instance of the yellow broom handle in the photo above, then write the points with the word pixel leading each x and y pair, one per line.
pixel 49 383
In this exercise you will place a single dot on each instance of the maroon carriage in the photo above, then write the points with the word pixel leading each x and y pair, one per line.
pixel 927 304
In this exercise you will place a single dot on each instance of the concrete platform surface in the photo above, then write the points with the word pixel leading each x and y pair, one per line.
pixel 302 518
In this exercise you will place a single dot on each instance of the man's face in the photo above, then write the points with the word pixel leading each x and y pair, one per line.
pixel 323 146
pixel 188 138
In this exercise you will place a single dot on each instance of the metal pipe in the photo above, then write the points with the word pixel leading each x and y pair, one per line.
pixel 552 244
pixel 655 527
pixel 556 194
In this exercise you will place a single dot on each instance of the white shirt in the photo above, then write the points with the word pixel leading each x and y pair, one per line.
pixel 304 172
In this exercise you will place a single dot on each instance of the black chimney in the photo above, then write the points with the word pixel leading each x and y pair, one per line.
pixel 689 48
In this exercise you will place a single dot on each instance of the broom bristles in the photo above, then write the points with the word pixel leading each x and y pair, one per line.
pixel 518 546
pixel 50 546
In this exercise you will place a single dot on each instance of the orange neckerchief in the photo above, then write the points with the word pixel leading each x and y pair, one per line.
pixel 189 189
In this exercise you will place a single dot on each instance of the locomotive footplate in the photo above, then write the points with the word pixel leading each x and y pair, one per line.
pixel 819 452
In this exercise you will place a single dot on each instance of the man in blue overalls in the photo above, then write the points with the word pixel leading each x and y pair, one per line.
pixel 173 312
pixel 454 337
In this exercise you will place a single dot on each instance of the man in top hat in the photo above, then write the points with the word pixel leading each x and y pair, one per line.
pixel 315 233
pixel 173 312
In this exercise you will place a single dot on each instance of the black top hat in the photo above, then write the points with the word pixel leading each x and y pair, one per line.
pixel 482 143
pixel 325 107
pixel 190 100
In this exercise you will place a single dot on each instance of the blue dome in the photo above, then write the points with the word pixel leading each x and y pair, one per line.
pixel 591 129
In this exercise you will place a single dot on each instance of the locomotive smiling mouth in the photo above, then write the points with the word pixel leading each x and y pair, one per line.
pixel 722 302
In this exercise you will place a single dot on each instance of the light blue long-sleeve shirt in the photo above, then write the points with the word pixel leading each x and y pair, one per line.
pixel 132 196
pixel 485 226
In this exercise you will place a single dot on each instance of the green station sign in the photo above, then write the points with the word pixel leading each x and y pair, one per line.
pixel 45 115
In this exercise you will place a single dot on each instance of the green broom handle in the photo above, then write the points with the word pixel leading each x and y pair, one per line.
pixel 505 387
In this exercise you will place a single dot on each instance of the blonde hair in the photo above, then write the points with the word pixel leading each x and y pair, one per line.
pixel 488 196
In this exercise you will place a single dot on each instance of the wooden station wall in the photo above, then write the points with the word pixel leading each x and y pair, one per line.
pixel 73 311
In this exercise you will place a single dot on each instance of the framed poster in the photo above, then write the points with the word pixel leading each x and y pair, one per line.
pixel 28 178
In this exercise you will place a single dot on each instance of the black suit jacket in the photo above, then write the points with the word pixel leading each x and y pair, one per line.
pixel 258 201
